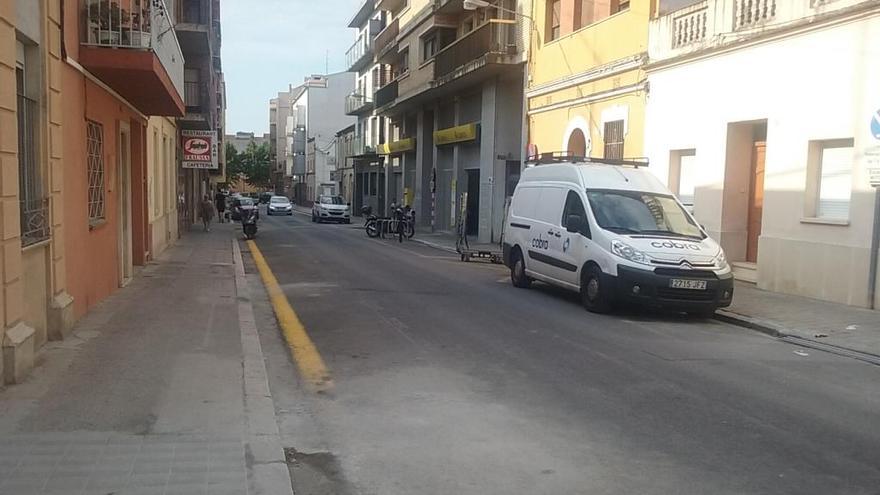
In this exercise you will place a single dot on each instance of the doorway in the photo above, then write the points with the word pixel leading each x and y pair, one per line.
pixel 756 200
pixel 473 201
pixel 123 186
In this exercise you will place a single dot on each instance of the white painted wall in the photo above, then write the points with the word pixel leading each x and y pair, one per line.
pixel 824 84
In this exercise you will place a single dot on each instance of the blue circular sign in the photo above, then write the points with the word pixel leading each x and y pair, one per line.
pixel 875 125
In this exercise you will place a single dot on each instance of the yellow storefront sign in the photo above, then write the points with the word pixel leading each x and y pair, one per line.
pixel 457 134
pixel 393 147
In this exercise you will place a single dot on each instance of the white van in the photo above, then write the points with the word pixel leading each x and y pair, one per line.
pixel 615 234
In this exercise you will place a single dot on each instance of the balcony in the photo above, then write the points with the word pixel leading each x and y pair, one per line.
pixel 386 94
pixel 386 39
pixel 495 42
pixel 356 104
pixel 709 24
pixel 194 26
pixel 131 46
pixel 361 52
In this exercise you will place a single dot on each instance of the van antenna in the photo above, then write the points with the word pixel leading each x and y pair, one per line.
pixel 616 169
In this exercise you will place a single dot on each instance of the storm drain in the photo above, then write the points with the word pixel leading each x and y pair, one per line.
pixel 317 473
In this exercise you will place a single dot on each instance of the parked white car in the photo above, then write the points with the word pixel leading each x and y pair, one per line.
pixel 331 209
pixel 615 234
pixel 279 205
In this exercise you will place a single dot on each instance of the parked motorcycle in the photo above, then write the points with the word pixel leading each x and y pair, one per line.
pixel 249 215
pixel 371 223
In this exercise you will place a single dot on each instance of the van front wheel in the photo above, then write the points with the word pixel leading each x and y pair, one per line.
pixel 595 296
pixel 518 271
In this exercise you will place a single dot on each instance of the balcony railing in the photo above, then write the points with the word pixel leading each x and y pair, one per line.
pixel 194 93
pixel 386 94
pixel 136 24
pixel 712 23
pixel 498 37
pixel 356 103
pixel 387 36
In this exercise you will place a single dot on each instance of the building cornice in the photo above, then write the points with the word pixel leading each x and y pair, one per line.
pixel 596 73
pixel 602 95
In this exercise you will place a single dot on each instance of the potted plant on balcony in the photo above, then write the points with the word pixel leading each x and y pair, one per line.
pixel 105 21
pixel 139 32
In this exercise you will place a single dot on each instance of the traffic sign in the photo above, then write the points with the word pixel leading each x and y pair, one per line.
pixel 875 125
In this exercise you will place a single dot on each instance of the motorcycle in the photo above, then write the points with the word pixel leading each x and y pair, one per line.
pixel 248 216
pixel 371 223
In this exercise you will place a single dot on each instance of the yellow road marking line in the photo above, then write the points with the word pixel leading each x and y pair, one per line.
pixel 305 354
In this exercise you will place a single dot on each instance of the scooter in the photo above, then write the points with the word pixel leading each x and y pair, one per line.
pixel 371 224
pixel 248 221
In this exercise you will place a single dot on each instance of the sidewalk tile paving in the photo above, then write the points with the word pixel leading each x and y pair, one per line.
pixel 145 397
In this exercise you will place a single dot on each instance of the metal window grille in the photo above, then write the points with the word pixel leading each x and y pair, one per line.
pixel 34 209
pixel 96 171
pixel 614 140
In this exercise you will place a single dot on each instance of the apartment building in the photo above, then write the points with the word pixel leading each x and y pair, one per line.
pixel 453 96
pixel 375 32
pixel 162 149
pixel 317 112
pixel 36 305
pixel 199 32
pixel 588 88
pixel 347 151
pixel 764 115
pixel 241 140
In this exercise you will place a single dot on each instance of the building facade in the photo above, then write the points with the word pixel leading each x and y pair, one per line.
pixel 162 149
pixel 782 184
pixel 198 28
pixel 317 112
pixel 453 100
pixel 36 305
pixel 346 151
pixel 241 140
pixel 587 91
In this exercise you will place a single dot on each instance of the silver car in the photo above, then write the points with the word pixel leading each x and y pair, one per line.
pixel 279 205
pixel 331 209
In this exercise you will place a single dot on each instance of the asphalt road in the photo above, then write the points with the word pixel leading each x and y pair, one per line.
pixel 448 380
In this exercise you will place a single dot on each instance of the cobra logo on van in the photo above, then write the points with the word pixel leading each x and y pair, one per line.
pixel 540 243
pixel 675 245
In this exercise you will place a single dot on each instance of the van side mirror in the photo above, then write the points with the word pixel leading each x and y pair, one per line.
pixel 574 224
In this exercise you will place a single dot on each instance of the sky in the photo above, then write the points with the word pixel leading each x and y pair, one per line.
pixel 268 44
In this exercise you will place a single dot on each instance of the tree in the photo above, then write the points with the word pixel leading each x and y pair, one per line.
pixel 252 165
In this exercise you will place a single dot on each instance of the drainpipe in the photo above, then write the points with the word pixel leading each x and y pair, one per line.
pixel 875 247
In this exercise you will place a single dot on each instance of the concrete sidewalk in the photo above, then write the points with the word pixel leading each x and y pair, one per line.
pixel 816 323
pixel 149 395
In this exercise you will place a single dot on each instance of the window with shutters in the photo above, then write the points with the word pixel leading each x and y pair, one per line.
pixel 614 140
pixel 830 178
pixel 95 147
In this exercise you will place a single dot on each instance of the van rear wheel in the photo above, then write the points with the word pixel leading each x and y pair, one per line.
pixel 595 296
pixel 518 271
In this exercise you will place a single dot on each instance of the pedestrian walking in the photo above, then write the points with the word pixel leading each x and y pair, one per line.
pixel 220 203
pixel 206 212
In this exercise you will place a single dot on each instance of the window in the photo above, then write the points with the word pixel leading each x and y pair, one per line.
pixel 403 63
pixel 830 164
pixel 34 208
pixel 614 140
pixel 574 206
pixel 634 212
pixel 554 19
pixel 682 175
pixel 96 171
pixel 587 12
pixel 429 47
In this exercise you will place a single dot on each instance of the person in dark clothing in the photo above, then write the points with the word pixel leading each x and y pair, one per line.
pixel 220 203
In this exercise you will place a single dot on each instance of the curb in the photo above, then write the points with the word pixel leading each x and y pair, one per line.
pixel 268 473
pixel 441 247
pixel 786 335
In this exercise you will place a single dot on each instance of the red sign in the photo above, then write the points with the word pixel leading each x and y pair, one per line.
pixel 199 149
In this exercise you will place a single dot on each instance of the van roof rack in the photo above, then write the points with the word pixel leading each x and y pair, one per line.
pixel 565 157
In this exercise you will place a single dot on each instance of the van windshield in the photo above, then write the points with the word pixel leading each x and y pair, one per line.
pixel 634 212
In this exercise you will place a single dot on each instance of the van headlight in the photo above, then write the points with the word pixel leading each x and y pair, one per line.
pixel 721 260
pixel 630 253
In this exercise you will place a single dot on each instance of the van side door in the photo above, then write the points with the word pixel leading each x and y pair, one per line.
pixel 545 245
pixel 577 246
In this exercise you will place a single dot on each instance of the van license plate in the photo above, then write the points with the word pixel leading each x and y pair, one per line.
pixel 678 283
